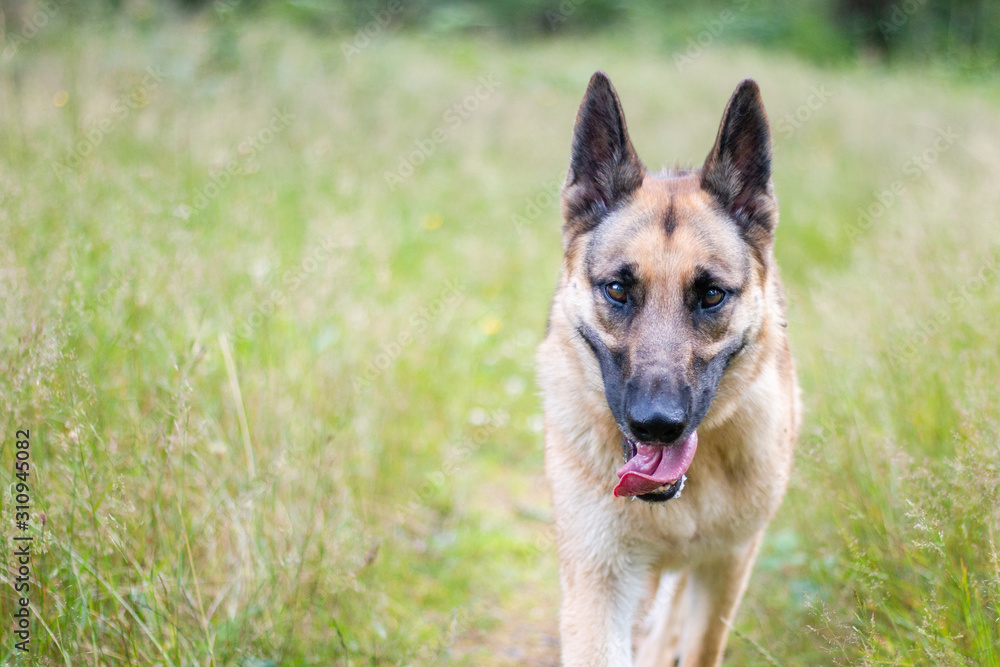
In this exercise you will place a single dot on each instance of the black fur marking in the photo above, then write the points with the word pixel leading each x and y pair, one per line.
pixel 710 374
pixel 625 274
pixel 612 371
pixel 670 221
pixel 705 279
pixel 731 352
pixel 628 449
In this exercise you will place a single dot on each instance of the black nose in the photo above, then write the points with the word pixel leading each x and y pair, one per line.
pixel 656 426
pixel 657 414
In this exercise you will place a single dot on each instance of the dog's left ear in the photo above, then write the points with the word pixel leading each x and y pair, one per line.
pixel 738 170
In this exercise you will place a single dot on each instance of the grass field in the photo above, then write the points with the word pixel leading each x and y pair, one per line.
pixel 269 313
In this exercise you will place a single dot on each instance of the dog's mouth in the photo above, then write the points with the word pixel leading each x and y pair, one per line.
pixel 655 472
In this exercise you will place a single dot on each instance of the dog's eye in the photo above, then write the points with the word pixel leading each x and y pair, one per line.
pixel 616 292
pixel 712 298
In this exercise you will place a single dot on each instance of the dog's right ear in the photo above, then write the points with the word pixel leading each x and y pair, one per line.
pixel 604 168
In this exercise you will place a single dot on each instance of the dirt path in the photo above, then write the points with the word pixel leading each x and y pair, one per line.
pixel 523 628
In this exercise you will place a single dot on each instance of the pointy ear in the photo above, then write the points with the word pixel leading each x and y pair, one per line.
pixel 737 173
pixel 604 168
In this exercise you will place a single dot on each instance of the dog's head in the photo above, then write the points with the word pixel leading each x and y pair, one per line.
pixel 665 276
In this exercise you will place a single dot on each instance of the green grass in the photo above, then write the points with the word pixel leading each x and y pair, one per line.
pixel 363 484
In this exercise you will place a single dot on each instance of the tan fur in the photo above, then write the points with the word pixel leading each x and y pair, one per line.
pixel 611 548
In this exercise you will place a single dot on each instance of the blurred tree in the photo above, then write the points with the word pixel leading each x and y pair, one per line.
pixel 965 32
pixel 860 19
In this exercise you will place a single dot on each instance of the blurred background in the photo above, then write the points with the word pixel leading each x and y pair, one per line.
pixel 272 275
pixel 962 33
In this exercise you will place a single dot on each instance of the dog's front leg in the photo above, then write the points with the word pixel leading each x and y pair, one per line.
pixel 716 588
pixel 596 618
pixel 602 586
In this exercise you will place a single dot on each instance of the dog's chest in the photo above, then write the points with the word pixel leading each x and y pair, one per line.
pixel 713 513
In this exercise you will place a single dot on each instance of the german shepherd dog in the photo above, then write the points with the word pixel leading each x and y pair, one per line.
pixel 666 344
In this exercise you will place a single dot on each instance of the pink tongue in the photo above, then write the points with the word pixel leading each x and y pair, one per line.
pixel 654 466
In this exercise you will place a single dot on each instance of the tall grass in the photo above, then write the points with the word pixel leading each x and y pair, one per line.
pixel 289 418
